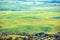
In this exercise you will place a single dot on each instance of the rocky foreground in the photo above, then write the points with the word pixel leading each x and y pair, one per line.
pixel 27 36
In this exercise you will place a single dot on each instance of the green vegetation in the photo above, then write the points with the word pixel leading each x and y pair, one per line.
pixel 33 21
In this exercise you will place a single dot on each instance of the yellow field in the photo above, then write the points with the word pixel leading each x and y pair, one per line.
pixel 29 21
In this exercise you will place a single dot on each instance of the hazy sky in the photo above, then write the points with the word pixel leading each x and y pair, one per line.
pixel 40 0
pixel 29 0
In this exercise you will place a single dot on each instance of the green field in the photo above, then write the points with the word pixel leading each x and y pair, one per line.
pixel 30 21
